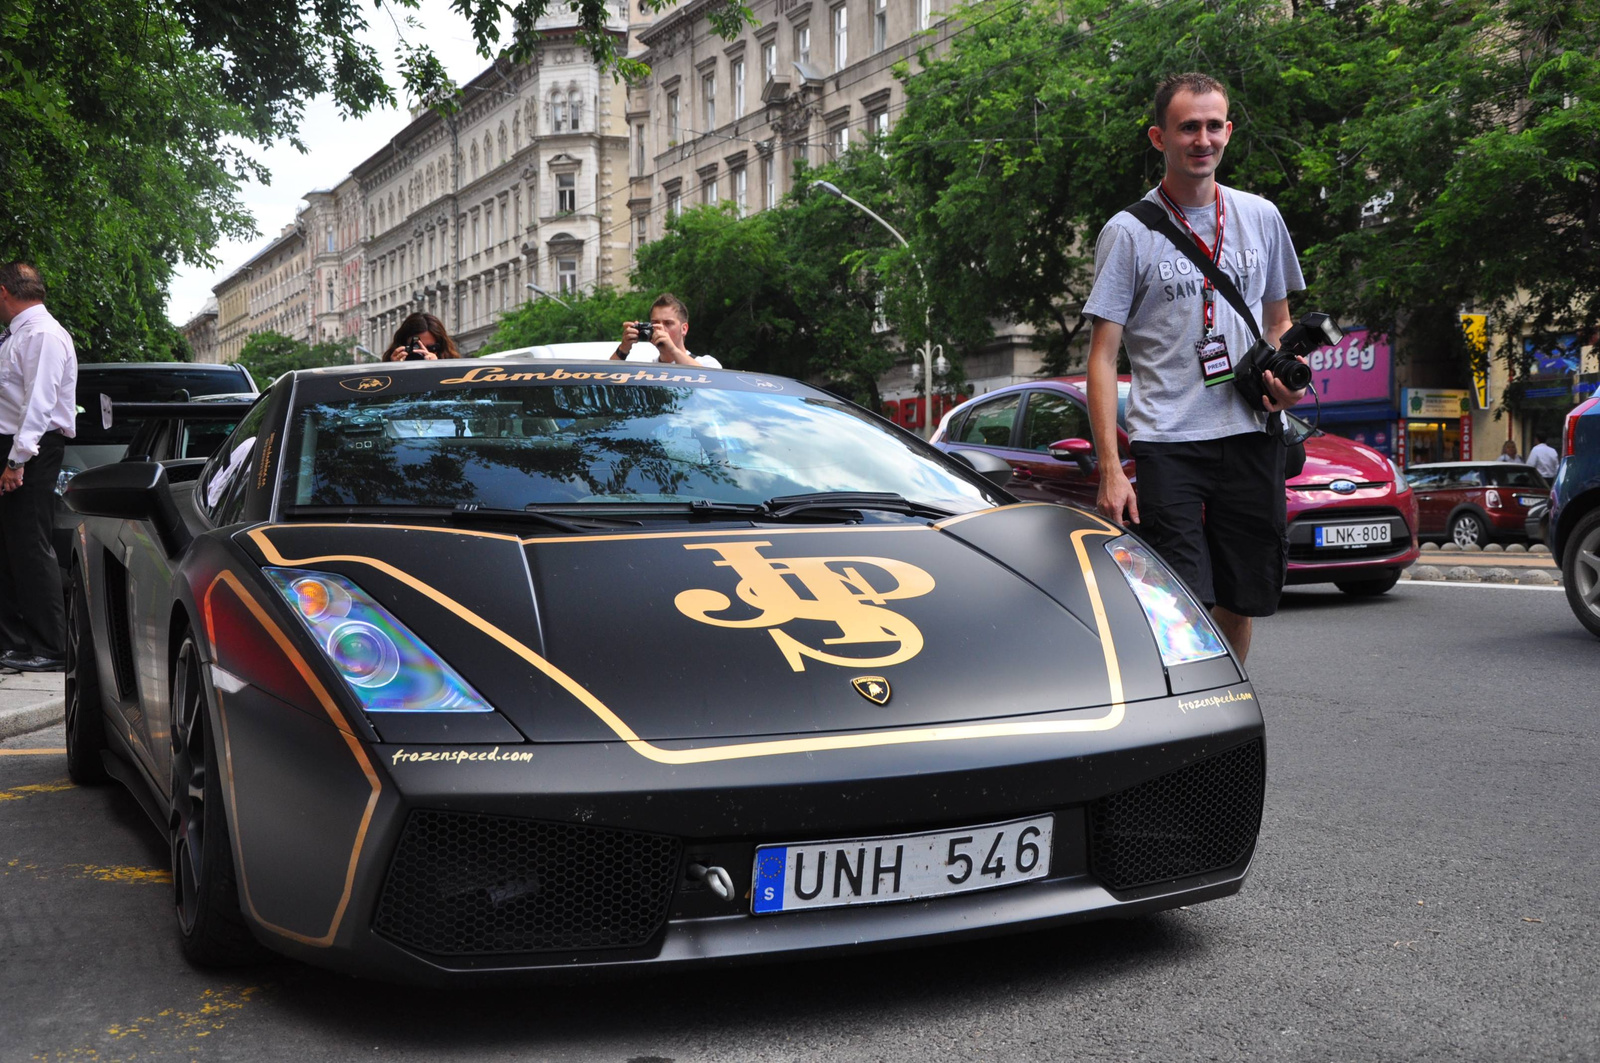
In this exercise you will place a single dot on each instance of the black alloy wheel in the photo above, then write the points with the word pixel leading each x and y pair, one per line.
pixel 211 928
pixel 1468 529
pixel 1369 588
pixel 1580 572
pixel 85 712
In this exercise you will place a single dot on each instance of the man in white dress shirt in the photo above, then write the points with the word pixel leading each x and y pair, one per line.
pixel 38 414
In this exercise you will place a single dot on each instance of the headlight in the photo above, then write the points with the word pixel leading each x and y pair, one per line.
pixel 1182 630
pixel 1401 484
pixel 386 666
pixel 64 477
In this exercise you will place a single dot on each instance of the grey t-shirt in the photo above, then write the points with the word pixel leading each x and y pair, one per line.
pixel 1152 290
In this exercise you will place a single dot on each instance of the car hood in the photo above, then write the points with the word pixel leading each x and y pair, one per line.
pixel 707 634
pixel 1330 458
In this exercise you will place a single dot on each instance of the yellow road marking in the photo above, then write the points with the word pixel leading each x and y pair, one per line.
pixel 33 752
pixel 16 793
pixel 147 1037
pixel 139 876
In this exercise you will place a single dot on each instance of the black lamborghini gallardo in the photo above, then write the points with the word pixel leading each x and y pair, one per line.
pixel 463 668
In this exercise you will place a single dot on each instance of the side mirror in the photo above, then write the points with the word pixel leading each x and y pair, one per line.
pixel 1078 450
pixel 996 470
pixel 131 490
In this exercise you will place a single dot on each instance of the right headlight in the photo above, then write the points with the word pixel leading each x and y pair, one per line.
pixel 1182 629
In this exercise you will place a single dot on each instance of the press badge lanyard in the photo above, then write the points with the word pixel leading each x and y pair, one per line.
pixel 1212 349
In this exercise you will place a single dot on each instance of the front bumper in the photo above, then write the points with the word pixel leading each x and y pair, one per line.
pixel 327 847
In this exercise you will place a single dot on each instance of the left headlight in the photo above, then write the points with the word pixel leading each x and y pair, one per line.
pixel 1401 483
pixel 1183 631
pixel 385 666
pixel 64 477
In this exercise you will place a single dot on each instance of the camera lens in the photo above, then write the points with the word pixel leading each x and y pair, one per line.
pixel 1292 373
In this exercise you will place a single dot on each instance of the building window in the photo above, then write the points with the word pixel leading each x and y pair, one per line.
pixel 740 191
pixel 802 42
pixel 638 150
pixel 672 118
pixel 488 225
pixel 675 204
pixel 331 307
pixel 769 62
pixel 924 14
pixel 878 130
pixel 736 73
pixel 708 190
pixel 839 140
pixel 708 103
pixel 841 37
pixel 430 251
pixel 474 161
pixel 641 230
pixel 567 274
pixel 575 101
pixel 566 193
pixel 880 25
pixel 505 217
pixel 558 111
pixel 769 179
pixel 330 239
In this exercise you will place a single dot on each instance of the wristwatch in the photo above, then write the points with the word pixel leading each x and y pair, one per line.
pixel 14 465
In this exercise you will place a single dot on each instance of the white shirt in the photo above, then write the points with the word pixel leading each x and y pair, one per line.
pixel 648 352
pixel 1544 458
pixel 38 382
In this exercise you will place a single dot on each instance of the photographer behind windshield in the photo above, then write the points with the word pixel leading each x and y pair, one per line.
pixel 421 337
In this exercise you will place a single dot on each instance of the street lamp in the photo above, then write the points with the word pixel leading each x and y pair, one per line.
pixel 927 307
pixel 360 350
pixel 532 287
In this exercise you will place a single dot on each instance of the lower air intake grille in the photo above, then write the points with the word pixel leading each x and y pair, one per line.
pixel 464 884
pixel 1202 818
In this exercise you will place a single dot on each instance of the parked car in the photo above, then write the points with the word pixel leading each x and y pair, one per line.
pixel 1352 515
pixel 103 436
pixel 1574 520
pixel 1474 503
pixel 364 674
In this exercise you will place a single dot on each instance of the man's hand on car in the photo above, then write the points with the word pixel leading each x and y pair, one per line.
pixel 1117 496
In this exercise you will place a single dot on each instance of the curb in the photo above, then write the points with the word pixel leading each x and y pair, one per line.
pixel 20 719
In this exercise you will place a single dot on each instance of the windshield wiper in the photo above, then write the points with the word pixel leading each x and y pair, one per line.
pixel 780 507
pixel 462 512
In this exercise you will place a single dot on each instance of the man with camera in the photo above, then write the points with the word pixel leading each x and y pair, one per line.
pixel 666 330
pixel 1210 461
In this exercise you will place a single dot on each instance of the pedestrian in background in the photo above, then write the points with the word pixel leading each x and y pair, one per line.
pixel 1543 456
pixel 38 414
pixel 1508 451
pixel 1210 498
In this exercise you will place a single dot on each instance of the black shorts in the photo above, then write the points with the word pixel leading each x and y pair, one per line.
pixel 1216 513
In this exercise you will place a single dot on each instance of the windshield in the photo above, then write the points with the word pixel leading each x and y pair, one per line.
pixel 509 447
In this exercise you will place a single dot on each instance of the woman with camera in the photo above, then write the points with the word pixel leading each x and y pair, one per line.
pixel 419 337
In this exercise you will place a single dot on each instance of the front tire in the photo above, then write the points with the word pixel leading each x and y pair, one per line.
pixel 1580 572
pixel 1369 588
pixel 211 929
pixel 1468 529
pixel 85 712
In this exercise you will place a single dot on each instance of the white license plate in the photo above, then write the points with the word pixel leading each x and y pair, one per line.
pixel 1352 534
pixel 1528 500
pixel 900 868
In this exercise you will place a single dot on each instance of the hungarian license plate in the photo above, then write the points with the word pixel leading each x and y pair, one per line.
pixel 1528 500
pixel 900 868
pixel 1353 534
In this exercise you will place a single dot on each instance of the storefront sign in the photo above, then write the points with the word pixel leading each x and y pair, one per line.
pixel 1400 452
pixel 1356 369
pixel 1431 404
pixel 1466 439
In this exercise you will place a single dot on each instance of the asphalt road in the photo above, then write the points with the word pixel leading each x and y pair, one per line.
pixel 1424 889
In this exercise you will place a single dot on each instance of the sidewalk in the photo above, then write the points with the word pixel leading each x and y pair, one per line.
pixel 1472 565
pixel 29 701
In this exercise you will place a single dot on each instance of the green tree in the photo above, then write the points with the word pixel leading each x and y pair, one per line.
pixel 1423 152
pixel 269 355
pixel 594 315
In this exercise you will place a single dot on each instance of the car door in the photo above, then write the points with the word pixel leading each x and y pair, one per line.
pixel 989 426
pixel 1051 416
pixel 1431 508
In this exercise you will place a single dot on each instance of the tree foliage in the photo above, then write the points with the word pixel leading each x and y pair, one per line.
pixel 269 355
pixel 593 315
pixel 1424 153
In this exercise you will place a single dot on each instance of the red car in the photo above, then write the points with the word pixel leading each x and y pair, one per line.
pixel 1352 514
pixel 1474 503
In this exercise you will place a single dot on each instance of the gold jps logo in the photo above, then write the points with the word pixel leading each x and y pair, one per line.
pixel 849 592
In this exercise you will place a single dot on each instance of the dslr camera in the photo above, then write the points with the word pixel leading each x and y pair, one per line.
pixel 415 351
pixel 644 328
pixel 1310 332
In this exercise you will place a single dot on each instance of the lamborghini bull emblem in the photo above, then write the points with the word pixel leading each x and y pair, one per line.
pixel 847 592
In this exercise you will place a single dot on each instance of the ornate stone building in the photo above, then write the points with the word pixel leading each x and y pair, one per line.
pixel 332 221
pixel 524 184
pixel 201 332
pixel 268 293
